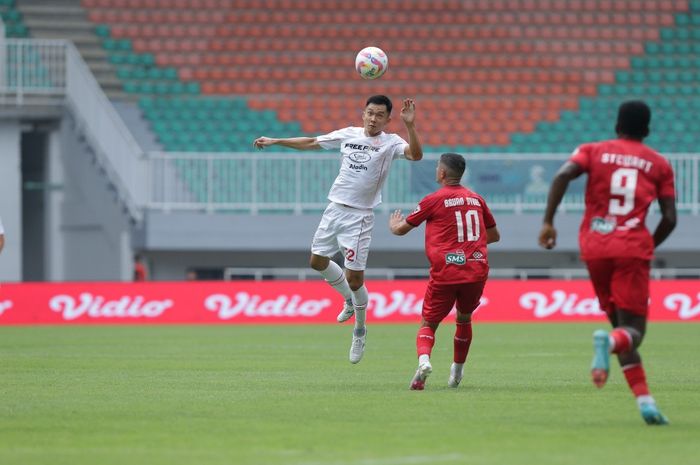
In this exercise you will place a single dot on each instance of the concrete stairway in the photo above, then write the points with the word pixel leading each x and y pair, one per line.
pixel 67 19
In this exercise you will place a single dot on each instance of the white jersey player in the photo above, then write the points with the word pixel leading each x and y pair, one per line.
pixel 347 222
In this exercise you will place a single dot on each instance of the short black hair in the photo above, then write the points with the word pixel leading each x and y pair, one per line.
pixel 633 118
pixel 454 163
pixel 381 100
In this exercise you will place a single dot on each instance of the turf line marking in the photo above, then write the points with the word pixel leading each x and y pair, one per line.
pixel 405 460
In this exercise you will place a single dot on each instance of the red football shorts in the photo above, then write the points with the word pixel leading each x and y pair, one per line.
pixel 621 283
pixel 440 298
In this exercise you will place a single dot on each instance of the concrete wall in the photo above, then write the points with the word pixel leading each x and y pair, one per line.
pixel 177 241
pixel 10 200
pixel 94 235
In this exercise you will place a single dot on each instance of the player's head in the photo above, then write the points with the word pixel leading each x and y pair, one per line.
pixel 377 114
pixel 450 168
pixel 633 118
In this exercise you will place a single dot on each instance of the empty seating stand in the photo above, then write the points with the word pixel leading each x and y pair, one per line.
pixel 487 75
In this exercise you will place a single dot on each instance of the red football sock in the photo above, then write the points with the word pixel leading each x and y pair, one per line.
pixel 636 379
pixel 425 341
pixel 462 341
pixel 623 340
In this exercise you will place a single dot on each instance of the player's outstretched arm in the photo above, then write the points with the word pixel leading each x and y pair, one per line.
pixel 414 151
pixel 398 224
pixel 667 206
pixel 298 143
pixel 560 183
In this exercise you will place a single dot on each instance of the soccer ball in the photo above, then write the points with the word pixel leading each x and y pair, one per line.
pixel 371 62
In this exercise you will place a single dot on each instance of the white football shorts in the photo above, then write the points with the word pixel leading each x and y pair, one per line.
pixel 345 229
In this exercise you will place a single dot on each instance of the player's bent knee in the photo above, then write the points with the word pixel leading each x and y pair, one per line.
pixel 355 281
pixel 318 263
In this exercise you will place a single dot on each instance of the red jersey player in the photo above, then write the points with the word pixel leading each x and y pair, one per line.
pixel 624 178
pixel 459 225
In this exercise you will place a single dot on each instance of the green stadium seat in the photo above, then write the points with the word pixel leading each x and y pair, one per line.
pixel 16 30
pixel 117 59
pixel 170 73
pixel 11 16
pixel 109 44
pixel 146 103
pixel 682 20
pixel 622 76
pixel 178 88
pixel 102 30
pixel 667 34
pixel 652 48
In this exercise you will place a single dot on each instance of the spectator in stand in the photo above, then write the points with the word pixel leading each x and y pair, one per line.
pixel 140 273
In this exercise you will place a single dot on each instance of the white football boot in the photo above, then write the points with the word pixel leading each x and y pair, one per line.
pixel 357 349
pixel 456 374
pixel 422 373
pixel 347 311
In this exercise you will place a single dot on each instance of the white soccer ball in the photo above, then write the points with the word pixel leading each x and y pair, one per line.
pixel 371 62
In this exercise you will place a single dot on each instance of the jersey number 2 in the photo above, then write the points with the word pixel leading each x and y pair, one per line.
pixel 622 183
pixel 467 226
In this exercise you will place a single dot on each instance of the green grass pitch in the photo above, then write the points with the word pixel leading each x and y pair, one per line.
pixel 263 395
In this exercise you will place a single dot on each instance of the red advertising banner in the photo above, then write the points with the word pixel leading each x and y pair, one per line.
pixel 293 302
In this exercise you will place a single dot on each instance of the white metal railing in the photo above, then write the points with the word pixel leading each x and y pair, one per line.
pixel 54 68
pixel 117 150
pixel 299 182
pixel 304 274
pixel 32 67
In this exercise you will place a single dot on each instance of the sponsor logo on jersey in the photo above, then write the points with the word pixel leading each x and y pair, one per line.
pixel 355 167
pixel 603 225
pixel 364 148
pixel 456 258
pixel 477 255
pixel 360 157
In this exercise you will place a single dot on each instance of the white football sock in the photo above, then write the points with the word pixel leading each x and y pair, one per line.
pixel 334 276
pixel 423 359
pixel 359 300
